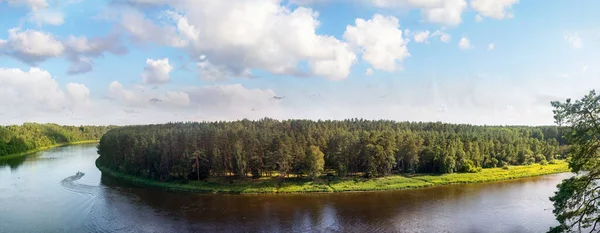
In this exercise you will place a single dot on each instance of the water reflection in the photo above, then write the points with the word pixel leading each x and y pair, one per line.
pixel 41 194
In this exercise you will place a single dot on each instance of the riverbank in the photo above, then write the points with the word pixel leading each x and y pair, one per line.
pixel 18 155
pixel 350 184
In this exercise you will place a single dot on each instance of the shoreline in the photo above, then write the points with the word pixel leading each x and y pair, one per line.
pixel 25 153
pixel 337 185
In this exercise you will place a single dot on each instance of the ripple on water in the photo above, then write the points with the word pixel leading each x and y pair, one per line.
pixel 70 184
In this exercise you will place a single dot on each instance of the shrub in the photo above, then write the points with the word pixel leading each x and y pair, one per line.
pixel 502 164
pixel 530 161
pixel 469 166
pixel 543 162
pixel 552 161
pixel 505 167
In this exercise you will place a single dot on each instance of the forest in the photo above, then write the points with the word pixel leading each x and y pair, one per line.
pixel 268 147
pixel 16 139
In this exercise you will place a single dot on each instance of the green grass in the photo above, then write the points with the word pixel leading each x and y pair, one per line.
pixel 18 155
pixel 377 184
pixel 299 185
pixel 496 174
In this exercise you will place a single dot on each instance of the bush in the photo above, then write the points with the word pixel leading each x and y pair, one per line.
pixel 469 166
pixel 552 161
pixel 505 168
pixel 543 162
pixel 539 158
pixel 530 161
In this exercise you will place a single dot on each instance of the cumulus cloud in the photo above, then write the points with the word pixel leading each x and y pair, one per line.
pixel 237 36
pixel 491 47
pixel 36 90
pixel 31 46
pixel 444 37
pixel 210 72
pixel 78 94
pixel 421 37
pixel 447 12
pixel 380 41
pixel 142 29
pixel 464 43
pixel 497 9
pixel 157 71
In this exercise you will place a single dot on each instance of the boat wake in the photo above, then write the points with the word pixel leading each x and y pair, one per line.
pixel 70 184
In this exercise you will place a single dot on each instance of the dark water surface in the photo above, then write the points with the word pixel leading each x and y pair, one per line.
pixel 41 193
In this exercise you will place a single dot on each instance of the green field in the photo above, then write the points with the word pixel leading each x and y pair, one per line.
pixel 18 155
pixel 298 185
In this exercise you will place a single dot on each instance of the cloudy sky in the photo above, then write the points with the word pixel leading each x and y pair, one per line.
pixel 154 61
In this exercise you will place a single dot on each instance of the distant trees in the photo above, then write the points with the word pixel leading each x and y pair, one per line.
pixel 309 148
pixel 29 136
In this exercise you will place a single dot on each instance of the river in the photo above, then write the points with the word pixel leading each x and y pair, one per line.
pixel 40 193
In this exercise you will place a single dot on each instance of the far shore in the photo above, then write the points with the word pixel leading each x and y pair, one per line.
pixel 346 184
pixel 22 154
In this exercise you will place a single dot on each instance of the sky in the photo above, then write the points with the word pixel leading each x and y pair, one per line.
pixel 483 62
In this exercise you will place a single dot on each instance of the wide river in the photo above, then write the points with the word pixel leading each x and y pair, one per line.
pixel 40 193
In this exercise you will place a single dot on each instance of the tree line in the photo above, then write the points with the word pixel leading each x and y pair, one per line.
pixel 29 136
pixel 197 150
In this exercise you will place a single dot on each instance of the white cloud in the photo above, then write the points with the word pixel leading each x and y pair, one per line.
pixel 79 94
pixel 215 101
pixel 584 68
pixel 31 46
pixel 81 50
pixel 421 37
pixel 209 72
pixel 118 92
pixel 574 40
pixel 478 18
pixel 157 71
pixel 47 17
pixel 497 9
pixel 36 90
pixel 230 98
pixel 447 12
pixel 178 99
pixel 369 72
pixel 34 5
pixel 464 43
pixel 35 96
pixel 143 29
pixel 444 37
pixel 491 47
pixel 239 36
pixel 380 41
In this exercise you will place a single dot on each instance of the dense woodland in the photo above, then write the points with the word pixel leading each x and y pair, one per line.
pixel 270 147
pixel 29 136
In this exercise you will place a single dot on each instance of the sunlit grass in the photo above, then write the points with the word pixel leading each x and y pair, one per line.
pixel 304 185
pixel 494 174
pixel 384 183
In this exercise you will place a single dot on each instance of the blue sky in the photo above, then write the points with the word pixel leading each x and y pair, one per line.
pixel 153 61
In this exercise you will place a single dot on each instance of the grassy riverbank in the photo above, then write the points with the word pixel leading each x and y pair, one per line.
pixel 395 182
pixel 18 155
